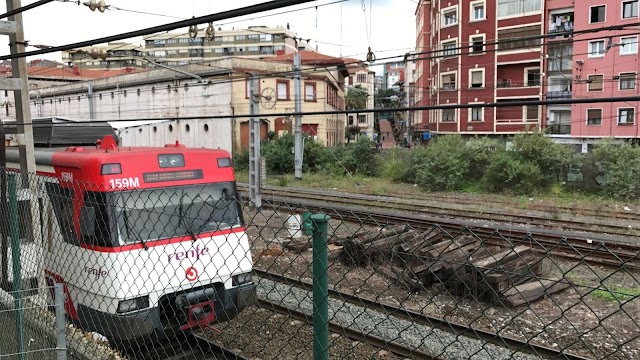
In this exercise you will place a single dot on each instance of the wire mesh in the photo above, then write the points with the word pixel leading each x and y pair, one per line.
pixel 144 270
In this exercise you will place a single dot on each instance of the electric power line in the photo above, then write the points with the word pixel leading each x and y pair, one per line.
pixel 24 8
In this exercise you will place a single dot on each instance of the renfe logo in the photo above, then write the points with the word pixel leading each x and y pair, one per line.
pixel 190 254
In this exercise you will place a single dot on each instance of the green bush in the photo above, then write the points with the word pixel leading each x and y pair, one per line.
pixel 278 155
pixel 395 164
pixel 480 151
pixel 241 160
pixel 443 165
pixel 508 172
pixel 355 158
pixel 552 159
pixel 620 169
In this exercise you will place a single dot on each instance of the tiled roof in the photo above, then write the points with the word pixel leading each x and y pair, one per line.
pixel 309 57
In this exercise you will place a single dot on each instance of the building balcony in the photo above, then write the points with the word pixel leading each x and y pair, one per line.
pixel 559 129
pixel 559 95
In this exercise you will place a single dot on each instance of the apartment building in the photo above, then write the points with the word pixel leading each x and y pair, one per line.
pixel 254 42
pixel 474 58
pixel 602 64
pixel 175 49
pixel 115 55
pixel 484 51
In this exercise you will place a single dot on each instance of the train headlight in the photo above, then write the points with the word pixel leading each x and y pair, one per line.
pixel 170 160
pixel 241 279
pixel 125 306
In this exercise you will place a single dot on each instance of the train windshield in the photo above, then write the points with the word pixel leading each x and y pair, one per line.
pixel 161 213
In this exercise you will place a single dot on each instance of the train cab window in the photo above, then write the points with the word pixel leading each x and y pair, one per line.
pixel 100 234
pixel 62 200
pixel 161 213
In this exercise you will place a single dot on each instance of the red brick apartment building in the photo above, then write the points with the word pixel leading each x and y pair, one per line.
pixel 464 62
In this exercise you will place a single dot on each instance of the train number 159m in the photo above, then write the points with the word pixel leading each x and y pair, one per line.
pixel 125 183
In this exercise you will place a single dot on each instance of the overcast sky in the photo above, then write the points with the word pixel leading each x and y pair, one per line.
pixel 392 22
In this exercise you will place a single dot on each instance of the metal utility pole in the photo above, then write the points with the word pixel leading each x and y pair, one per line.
pixel 254 142
pixel 297 96
pixel 4 223
pixel 24 134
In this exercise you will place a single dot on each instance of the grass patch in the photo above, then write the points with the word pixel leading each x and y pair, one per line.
pixel 616 294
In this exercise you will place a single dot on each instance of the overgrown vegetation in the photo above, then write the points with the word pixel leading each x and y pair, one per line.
pixel 533 164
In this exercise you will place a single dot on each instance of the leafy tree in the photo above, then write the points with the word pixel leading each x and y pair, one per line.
pixel 356 98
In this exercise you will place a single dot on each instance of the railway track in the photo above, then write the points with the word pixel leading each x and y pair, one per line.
pixel 623 227
pixel 588 247
pixel 186 346
pixel 511 343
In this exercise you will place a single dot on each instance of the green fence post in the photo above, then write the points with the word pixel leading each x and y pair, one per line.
pixel 320 287
pixel 15 257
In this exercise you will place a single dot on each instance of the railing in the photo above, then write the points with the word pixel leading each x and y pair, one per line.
pixel 559 95
pixel 559 129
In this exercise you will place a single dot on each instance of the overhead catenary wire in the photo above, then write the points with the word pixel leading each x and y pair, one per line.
pixel 25 8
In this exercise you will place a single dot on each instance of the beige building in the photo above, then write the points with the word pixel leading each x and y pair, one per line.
pixel 322 90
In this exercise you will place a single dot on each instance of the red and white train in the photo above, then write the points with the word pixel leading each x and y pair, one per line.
pixel 146 241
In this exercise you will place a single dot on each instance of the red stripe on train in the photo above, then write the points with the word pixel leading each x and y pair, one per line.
pixel 163 242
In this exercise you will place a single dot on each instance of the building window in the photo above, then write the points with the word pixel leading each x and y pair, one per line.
pixel 448 115
pixel 282 89
pixel 597 14
pixel 477 11
pixel 596 48
pixel 310 92
pixel 449 48
pixel 627 81
pixel 350 123
pixel 630 9
pixel 449 82
pixel 450 17
pixel 518 7
pixel 595 83
pixel 594 116
pixel 512 38
pixel 362 78
pixel 477 114
pixel 626 116
pixel 532 112
pixel 532 77
pixel 362 119
pixel 629 45
pixel 477 44
pixel 476 78
pixel 560 57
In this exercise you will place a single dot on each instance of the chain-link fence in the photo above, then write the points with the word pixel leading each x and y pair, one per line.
pixel 144 267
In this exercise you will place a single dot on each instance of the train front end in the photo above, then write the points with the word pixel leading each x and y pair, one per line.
pixel 154 242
